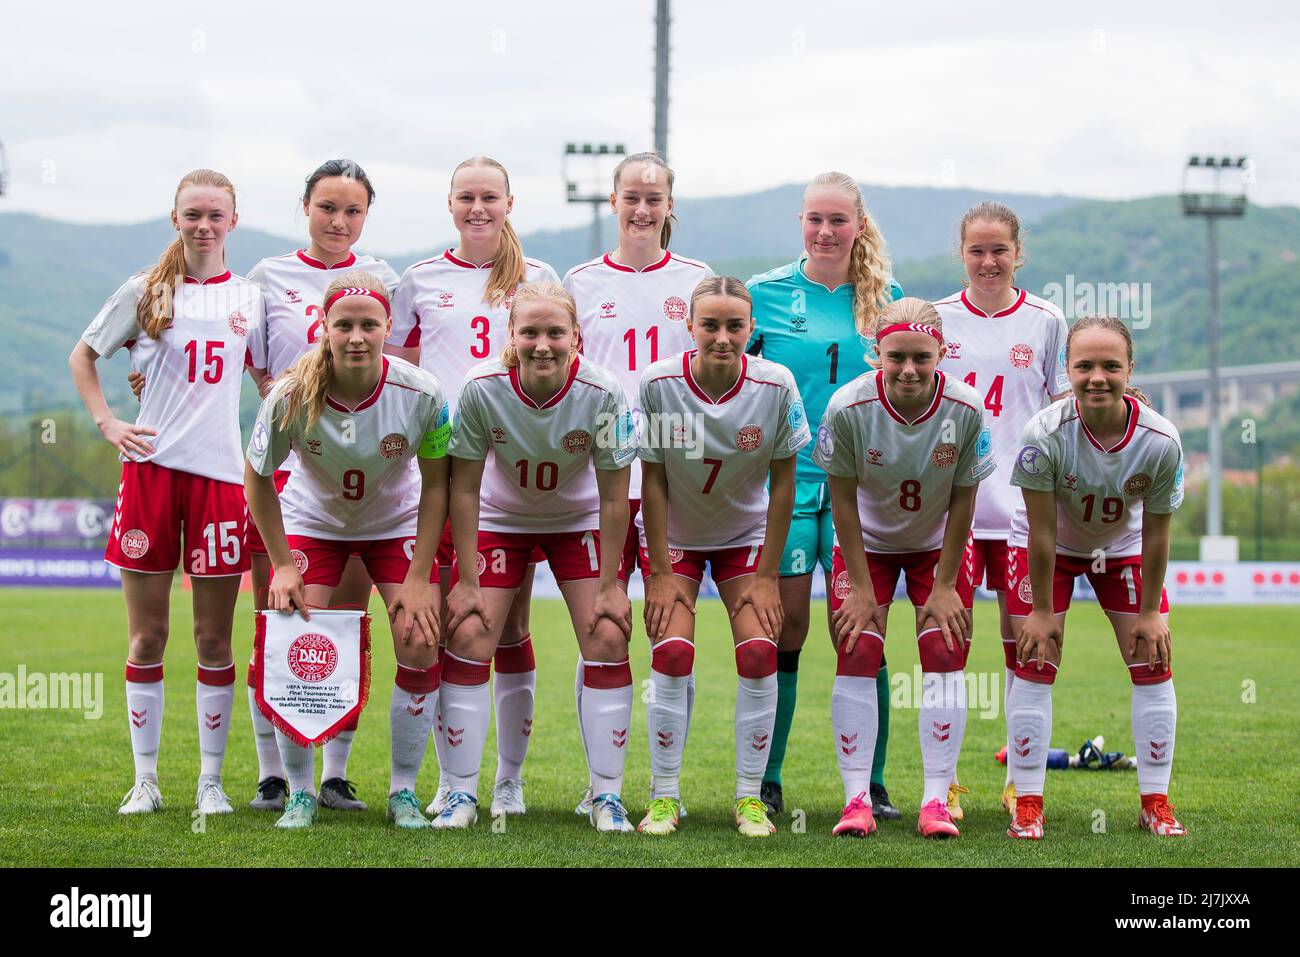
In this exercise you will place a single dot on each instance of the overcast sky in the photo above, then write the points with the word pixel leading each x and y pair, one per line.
pixel 101 110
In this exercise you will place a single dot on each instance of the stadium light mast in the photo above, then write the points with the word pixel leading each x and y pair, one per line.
pixel 1204 195
pixel 662 22
pixel 588 188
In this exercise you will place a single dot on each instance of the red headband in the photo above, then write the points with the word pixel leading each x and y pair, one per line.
pixel 358 291
pixel 910 327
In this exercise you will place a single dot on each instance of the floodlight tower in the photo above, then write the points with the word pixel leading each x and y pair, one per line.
pixel 1204 195
pixel 587 189
pixel 661 79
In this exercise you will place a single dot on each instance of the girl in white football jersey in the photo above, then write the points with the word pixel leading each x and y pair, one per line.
pixel 357 418
pixel 449 314
pixel 905 447
pixel 716 424
pixel 191 327
pixel 1008 345
pixel 632 306
pixel 336 201
pixel 543 442
pixel 1101 475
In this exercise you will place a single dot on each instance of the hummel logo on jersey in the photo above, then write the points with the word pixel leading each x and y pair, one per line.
pixel 954 349
pixel 498 434
pixel 607 310
pixel 292 295
pixel 799 323
pixel 445 300
pixel 876 457
pixel 1071 481
pixel 313 446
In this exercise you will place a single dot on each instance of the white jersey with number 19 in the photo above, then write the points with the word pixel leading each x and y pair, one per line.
pixel 905 470
pixel 1015 362
pixel 192 371
pixel 716 453
pixel 1100 492
pixel 539 476
pixel 632 317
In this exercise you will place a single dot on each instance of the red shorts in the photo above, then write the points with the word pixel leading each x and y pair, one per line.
pixel 631 544
pixel 986 558
pixel 158 506
pixel 321 561
pixel 504 557
pixel 726 563
pixel 255 544
pixel 917 567
pixel 1118 588
pixel 447 550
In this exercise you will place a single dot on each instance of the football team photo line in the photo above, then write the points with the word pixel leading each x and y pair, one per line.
pixel 435 435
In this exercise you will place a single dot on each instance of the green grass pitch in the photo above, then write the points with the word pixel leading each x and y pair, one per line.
pixel 1234 778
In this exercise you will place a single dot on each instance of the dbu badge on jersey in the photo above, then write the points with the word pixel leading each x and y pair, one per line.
pixel 312 677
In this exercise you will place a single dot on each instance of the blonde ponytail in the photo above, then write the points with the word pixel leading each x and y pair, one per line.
pixel 870 269
pixel 155 310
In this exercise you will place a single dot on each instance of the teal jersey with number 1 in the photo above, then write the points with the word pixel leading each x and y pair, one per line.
pixel 809 329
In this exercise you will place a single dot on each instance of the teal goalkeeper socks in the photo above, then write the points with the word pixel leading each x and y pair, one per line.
pixel 787 683
pixel 882 733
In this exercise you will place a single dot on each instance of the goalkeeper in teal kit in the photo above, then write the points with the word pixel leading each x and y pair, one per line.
pixel 807 317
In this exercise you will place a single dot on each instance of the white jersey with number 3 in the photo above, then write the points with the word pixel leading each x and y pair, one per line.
pixel 716 454
pixel 192 371
pixel 356 478
pixel 1015 362
pixel 633 317
pixel 440 307
pixel 293 292
pixel 1100 492
pixel 539 476
pixel 906 471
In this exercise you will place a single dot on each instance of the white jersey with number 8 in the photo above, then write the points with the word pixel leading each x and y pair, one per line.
pixel 440 307
pixel 716 454
pixel 1100 493
pixel 192 371
pixel 905 471
pixel 538 475
pixel 1015 362
pixel 356 478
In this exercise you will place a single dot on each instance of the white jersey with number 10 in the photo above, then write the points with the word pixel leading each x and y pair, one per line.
pixel 538 474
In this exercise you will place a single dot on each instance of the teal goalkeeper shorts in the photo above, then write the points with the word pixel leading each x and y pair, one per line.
pixel 812 534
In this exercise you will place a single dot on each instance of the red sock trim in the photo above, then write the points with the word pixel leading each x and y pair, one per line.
pixel 515 659
pixel 1009 653
pixel 1029 672
pixel 462 671
pixel 864 660
pixel 600 674
pixel 144 674
pixel 756 658
pixel 673 657
pixel 217 677
pixel 418 680
pixel 1143 675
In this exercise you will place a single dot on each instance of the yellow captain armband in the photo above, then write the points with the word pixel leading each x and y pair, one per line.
pixel 434 443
